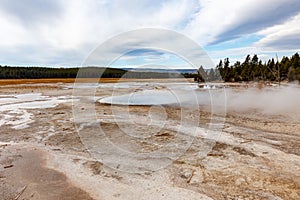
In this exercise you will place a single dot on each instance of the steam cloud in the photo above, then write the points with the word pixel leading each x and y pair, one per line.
pixel 284 100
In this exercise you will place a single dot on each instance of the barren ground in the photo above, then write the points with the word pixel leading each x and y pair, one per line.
pixel 256 157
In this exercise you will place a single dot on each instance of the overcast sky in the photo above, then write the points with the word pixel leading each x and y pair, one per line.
pixel 64 33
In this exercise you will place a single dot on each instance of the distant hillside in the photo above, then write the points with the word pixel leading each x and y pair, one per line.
pixel 178 71
pixel 8 72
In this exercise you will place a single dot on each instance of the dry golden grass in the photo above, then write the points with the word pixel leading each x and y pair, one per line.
pixel 82 80
pixel 55 80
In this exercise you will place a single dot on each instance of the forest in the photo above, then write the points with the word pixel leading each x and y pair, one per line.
pixel 7 72
pixel 253 69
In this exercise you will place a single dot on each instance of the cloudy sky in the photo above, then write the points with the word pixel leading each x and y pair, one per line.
pixel 64 33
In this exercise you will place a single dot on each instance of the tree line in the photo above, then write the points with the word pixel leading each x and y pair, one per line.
pixel 8 72
pixel 253 69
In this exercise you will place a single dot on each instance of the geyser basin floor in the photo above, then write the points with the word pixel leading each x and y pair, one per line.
pixel 257 156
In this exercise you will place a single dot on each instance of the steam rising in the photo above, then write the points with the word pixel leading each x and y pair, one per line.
pixel 282 100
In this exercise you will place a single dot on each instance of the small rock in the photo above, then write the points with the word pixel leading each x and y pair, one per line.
pixel 186 174
pixel 197 178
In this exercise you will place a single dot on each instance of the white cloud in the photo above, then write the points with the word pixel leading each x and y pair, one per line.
pixel 12 33
pixel 219 21
pixel 151 39
pixel 284 36
pixel 213 18
pixel 83 25
pixel 65 32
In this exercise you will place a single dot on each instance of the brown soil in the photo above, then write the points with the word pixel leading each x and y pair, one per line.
pixel 28 178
